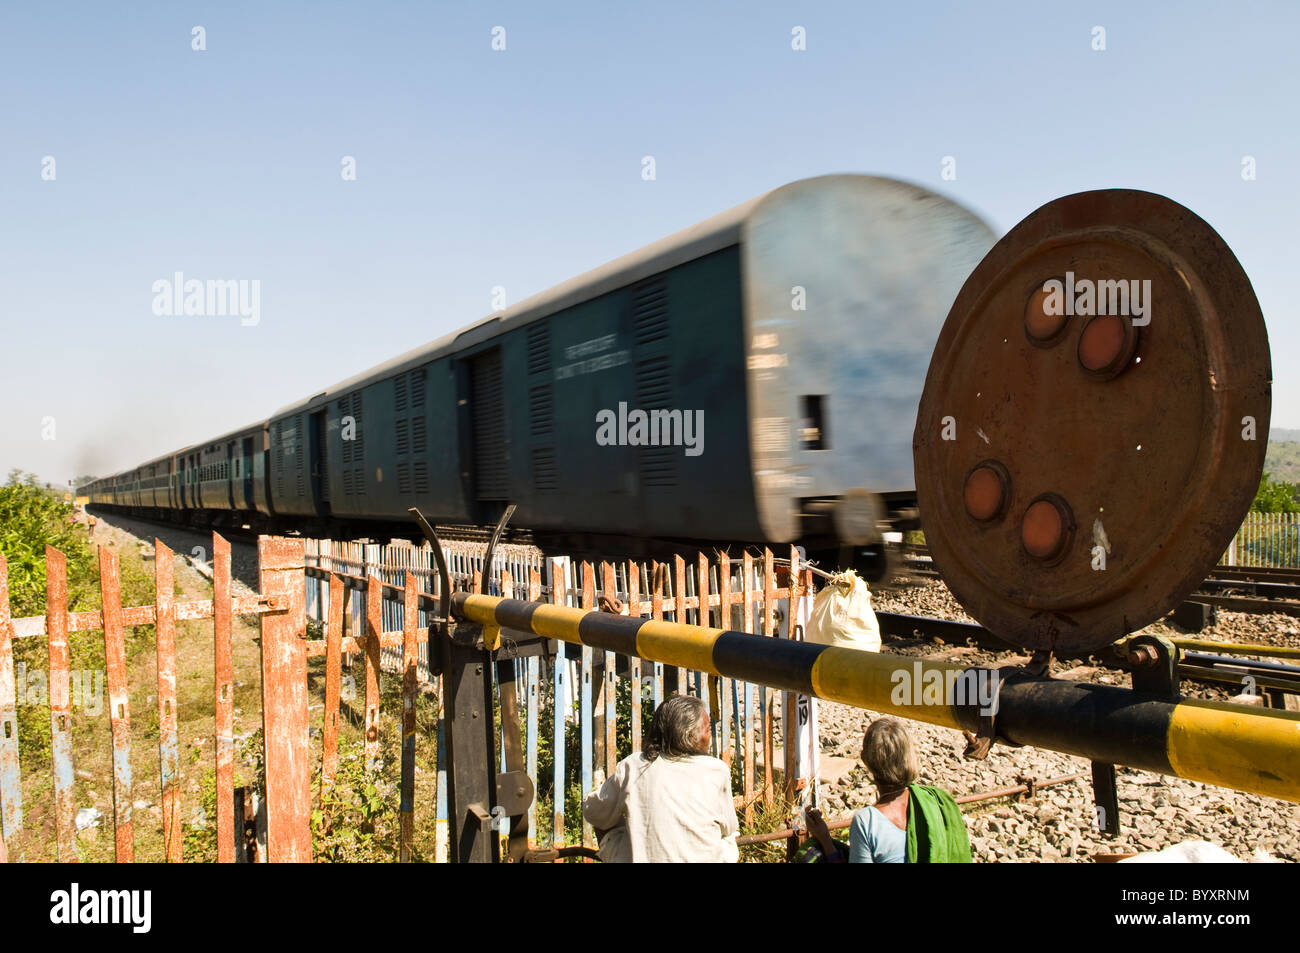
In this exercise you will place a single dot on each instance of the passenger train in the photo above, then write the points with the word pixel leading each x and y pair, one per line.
pixel 751 379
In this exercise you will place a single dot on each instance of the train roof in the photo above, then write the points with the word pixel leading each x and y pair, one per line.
pixel 713 234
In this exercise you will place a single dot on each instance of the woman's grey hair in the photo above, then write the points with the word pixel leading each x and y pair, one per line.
pixel 675 730
pixel 888 754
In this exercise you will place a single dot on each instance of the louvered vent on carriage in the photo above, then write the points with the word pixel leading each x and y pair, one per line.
pixel 417 388
pixel 539 347
pixel 545 478
pixel 657 465
pixel 541 412
pixel 277 461
pixel 318 425
pixel 353 457
pixel 410 435
pixel 487 413
pixel 300 456
pixel 650 310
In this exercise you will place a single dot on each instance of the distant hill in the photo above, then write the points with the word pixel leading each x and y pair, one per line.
pixel 1282 460
pixel 1282 435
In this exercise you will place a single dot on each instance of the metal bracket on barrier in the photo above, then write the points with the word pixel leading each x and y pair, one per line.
pixel 970 685
pixel 514 792
pixel 446 623
pixel 491 548
pixel 1105 794
pixel 1155 666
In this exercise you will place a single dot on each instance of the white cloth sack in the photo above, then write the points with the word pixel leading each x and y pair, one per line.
pixel 842 615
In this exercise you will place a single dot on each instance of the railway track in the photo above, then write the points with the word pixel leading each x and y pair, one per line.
pixel 1235 588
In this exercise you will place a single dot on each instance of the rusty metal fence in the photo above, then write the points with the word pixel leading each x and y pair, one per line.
pixel 375 602
pixel 576 687
pixel 112 619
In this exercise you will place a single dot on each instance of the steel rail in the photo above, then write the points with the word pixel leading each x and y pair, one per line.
pixel 1248 749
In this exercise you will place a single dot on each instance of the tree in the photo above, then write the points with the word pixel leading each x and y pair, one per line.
pixel 1276 496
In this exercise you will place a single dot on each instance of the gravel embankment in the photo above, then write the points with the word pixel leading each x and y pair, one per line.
pixel 1059 823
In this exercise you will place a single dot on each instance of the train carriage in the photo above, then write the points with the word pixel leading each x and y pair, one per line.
pixel 752 378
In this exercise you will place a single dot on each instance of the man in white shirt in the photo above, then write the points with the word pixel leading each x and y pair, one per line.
pixel 670 802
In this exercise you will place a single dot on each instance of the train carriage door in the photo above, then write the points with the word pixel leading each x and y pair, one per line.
pixel 320 485
pixel 246 472
pixel 184 477
pixel 488 428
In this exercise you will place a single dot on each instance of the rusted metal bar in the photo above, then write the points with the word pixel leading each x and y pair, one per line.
pixel 659 572
pixel 224 691
pixel 56 627
pixel 747 620
pixel 560 676
pixel 512 747
pixel 374 627
pixel 598 701
pixel 711 693
pixel 409 687
pixel 634 661
pixel 389 640
pixel 333 684
pixel 119 704
pixel 284 703
pixel 168 745
pixel 788 717
pixel 533 689
pixel 11 789
pixel 587 724
pixel 610 588
pixel 724 614
pixel 679 614
pixel 769 700
pixel 34 626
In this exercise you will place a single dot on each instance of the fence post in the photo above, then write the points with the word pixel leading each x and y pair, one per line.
pixel 11 791
pixel 284 701
pixel 168 745
pixel 560 669
pixel 56 629
pixel 224 700
pixel 410 607
pixel 333 685
pixel 119 704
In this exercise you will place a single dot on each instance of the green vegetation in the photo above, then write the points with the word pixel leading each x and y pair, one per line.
pixel 1276 496
pixel 31 518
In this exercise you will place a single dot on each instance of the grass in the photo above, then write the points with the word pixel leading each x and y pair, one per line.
pixel 362 804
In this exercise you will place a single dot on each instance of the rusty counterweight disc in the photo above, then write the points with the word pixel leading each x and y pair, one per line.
pixel 1085 449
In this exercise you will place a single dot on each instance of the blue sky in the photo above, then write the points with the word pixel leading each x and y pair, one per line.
pixel 521 168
